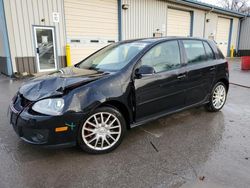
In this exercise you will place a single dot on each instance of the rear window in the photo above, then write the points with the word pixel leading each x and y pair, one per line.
pixel 195 51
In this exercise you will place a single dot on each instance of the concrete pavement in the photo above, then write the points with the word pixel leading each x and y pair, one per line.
pixel 238 76
pixel 193 148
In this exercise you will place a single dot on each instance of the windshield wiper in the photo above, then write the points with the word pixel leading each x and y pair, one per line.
pixel 93 68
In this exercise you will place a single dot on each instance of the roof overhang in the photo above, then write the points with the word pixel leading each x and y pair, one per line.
pixel 208 7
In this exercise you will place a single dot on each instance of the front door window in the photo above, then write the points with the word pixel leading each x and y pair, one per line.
pixel 163 57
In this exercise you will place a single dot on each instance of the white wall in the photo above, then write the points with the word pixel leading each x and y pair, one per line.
pixel 211 26
pixel 143 17
pixel 21 16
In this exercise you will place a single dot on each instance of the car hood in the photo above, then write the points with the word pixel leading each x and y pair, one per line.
pixel 57 82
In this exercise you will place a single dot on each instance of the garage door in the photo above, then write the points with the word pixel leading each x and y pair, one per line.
pixel 90 25
pixel 222 34
pixel 178 22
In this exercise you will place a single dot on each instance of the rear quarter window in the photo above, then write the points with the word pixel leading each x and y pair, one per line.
pixel 220 54
pixel 216 49
pixel 209 51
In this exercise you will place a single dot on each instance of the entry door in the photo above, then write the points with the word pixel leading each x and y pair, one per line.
pixel 45 49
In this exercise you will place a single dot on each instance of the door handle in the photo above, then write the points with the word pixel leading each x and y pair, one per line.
pixel 212 68
pixel 181 76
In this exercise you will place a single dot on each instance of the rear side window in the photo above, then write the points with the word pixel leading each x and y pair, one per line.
pixel 162 57
pixel 209 51
pixel 195 51
pixel 221 56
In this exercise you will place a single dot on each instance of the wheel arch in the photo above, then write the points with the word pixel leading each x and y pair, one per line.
pixel 122 109
pixel 224 81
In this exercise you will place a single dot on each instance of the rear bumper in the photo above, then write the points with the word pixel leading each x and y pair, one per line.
pixel 40 129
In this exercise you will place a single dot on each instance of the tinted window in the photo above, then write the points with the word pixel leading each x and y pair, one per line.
pixel 195 51
pixel 164 56
pixel 209 51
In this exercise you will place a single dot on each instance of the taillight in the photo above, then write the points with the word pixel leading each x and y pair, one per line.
pixel 227 66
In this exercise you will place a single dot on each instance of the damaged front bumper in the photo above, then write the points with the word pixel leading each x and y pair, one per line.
pixel 40 129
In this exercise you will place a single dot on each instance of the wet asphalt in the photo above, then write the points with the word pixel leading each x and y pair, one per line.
pixel 193 148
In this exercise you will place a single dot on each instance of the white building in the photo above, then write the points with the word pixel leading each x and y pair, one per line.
pixel 34 33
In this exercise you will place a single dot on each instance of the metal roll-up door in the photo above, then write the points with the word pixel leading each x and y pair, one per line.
pixel 90 25
pixel 178 22
pixel 222 34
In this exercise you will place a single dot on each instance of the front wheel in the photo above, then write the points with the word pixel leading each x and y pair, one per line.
pixel 217 98
pixel 102 131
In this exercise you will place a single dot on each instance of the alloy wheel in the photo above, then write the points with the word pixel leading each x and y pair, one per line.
pixel 219 96
pixel 101 131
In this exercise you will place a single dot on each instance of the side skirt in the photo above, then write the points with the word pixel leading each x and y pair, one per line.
pixel 157 116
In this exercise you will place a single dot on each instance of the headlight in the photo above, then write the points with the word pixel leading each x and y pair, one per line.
pixel 49 106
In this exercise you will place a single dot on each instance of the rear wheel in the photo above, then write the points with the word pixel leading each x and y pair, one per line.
pixel 217 98
pixel 102 131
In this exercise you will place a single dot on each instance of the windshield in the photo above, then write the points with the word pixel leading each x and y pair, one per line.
pixel 113 57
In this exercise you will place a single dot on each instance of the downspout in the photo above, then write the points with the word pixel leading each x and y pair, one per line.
pixel 119 19
pixel 230 37
pixel 205 20
pixel 192 24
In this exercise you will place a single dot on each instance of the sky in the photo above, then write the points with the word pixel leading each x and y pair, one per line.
pixel 213 2
pixel 216 2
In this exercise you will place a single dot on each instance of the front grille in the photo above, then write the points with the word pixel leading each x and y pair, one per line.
pixel 20 102
pixel 24 102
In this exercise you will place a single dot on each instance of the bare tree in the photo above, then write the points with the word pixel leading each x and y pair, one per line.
pixel 236 5
pixel 246 10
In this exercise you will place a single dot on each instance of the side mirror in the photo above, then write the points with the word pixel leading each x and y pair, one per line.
pixel 144 70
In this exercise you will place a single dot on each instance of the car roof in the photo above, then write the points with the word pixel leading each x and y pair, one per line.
pixel 159 39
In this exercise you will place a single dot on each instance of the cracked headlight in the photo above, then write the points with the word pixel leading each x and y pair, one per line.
pixel 49 106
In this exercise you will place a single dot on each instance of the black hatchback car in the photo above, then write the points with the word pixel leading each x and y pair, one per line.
pixel 121 86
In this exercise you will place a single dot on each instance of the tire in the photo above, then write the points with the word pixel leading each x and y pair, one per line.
pixel 102 131
pixel 219 91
